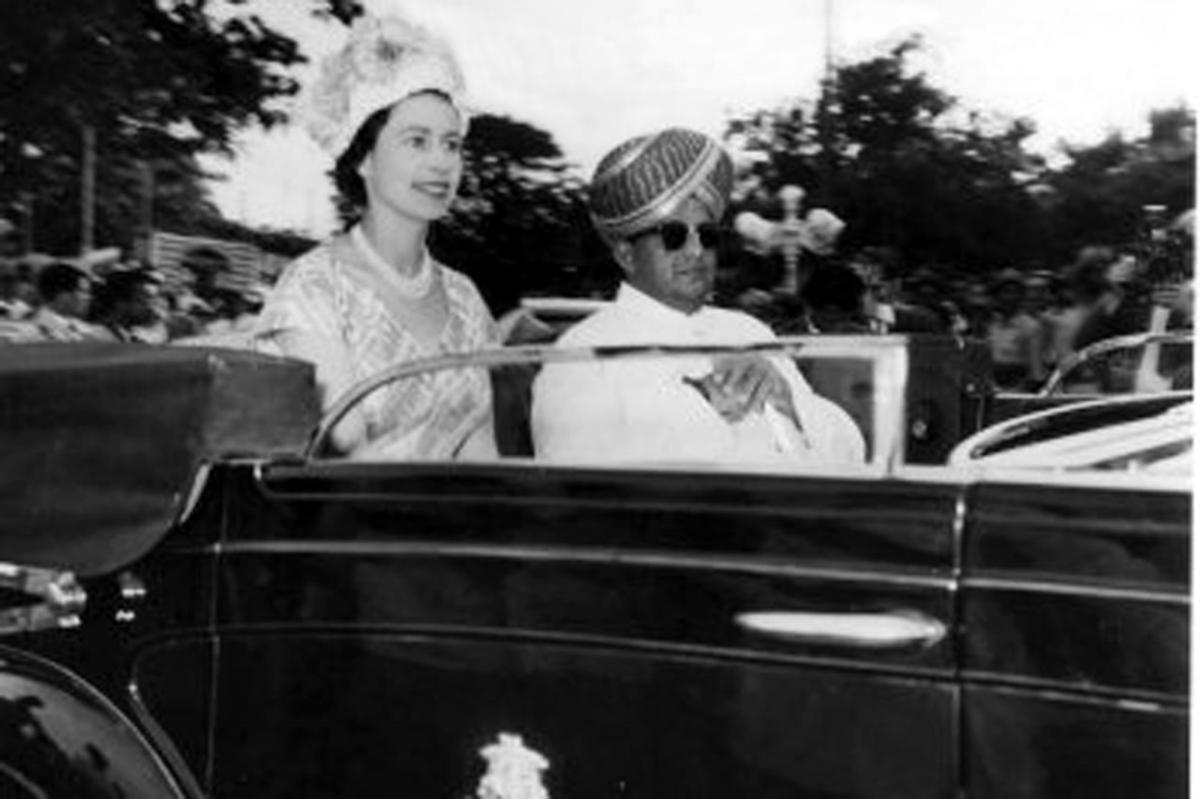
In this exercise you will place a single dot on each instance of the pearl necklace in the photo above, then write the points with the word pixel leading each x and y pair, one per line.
pixel 412 288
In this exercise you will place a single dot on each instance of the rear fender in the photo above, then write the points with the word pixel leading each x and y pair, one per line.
pixel 61 738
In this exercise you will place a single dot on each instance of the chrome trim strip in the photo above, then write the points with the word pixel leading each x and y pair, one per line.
pixel 760 566
pixel 165 750
pixel 1181 598
pixel 1064 691
pixel 520 636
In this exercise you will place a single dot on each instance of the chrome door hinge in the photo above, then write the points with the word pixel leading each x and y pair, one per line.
pixel 59 599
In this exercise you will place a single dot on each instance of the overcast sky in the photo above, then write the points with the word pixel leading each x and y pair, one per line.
pixel 595 73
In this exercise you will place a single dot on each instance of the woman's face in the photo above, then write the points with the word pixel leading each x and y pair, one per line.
pixel 416 163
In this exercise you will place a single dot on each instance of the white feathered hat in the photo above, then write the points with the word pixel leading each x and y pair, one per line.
pixel 384 60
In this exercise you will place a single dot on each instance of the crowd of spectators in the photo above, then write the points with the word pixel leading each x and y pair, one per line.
pixel 1031 319
pixel 70 300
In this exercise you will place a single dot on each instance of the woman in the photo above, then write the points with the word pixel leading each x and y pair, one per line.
pixel 389 108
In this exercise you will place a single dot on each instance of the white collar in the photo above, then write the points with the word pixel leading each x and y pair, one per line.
pixel 641 303
pixel 413 288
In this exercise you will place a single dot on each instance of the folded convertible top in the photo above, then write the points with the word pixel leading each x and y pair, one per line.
pixel 99 442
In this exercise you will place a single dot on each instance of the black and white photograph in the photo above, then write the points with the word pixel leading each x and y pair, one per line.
pixel 539 399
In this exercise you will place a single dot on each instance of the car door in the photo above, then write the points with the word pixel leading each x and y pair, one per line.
pixel 649 632
pixel 1075 611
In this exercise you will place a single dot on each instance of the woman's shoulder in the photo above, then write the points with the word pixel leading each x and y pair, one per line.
pixel 304 296
pixel 314 263
pixel 468 306
pixel 460 288
pixel 457 281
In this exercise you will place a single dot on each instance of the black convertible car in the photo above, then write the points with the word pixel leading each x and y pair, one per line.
pixel 196 604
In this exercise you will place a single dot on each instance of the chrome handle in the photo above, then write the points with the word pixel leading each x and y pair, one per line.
pixel 894 629
pixel 62 599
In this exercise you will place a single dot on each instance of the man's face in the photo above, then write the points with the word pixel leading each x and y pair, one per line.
pixel 682 278
pixel 145 305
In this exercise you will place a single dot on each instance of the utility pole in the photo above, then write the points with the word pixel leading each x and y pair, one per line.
pixel 148 188
pixel 87 190
pixel 824 111
pixel 828 40
pixel 146 220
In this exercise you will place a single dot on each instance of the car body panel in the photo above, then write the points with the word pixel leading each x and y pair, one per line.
pixel 606 602
pixel 1076 611
pixel 312 627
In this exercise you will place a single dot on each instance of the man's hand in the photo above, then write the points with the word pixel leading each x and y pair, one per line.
pixel 745 383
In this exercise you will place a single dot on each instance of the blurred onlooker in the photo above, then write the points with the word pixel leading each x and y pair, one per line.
pixel 835 301
pixel 976 310
pixel 919 311
pixel 205 265
pixel 130 306
pixel 66 292
pixel 185 315
pixel 26 289
pixel 1123 308
pixel 236 311
pixel 1086 290
pixel 1015 337
pixel 12 306
pixel 1039 294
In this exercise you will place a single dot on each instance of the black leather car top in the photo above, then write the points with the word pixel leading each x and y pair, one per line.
pixel 99 442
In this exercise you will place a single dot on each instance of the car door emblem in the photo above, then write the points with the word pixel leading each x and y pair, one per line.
pixel 514 771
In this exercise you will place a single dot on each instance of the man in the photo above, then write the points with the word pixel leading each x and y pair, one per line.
pixel 130 306
pixel 1015 337
pixel 657 200
pixel 12 305
pixel 835 298
pixel 66 293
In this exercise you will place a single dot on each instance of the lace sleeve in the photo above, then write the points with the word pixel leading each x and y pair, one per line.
pixel 305 299
pixel 481 330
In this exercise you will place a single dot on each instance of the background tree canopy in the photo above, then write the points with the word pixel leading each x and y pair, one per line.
pixel 155 84
pixel 906 166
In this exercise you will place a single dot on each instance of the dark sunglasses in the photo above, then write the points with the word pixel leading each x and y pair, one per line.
pixel 674 234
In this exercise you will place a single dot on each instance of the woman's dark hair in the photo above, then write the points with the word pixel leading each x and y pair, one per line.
pixel 346 179
pixel 345 170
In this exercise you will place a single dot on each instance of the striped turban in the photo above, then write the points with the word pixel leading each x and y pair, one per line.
pixel 645 180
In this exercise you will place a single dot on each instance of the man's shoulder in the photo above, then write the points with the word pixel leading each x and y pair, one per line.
pixel 600 328
pixel 730 321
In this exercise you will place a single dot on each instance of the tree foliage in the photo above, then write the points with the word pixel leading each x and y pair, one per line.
pixel 156 82
pixel 907 166
pixel 161 81
pixel 1101 194
pixel 516 226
